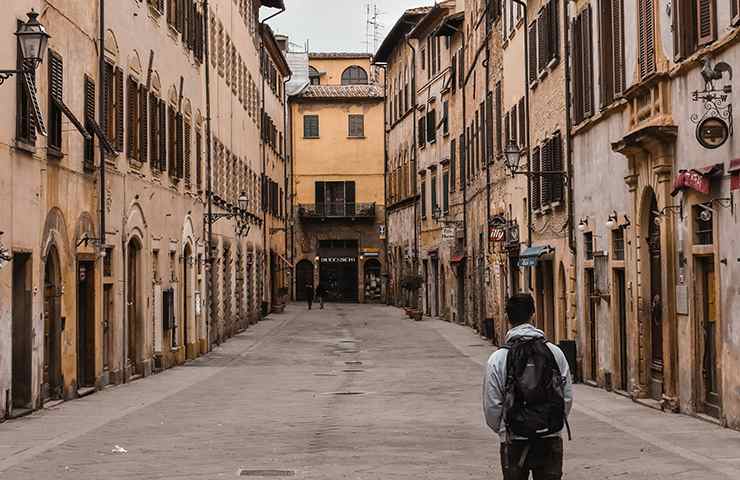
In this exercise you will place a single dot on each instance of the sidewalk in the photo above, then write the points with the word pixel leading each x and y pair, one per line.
pixel 607 424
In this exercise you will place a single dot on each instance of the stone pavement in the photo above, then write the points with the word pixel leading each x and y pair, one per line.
pixel 350 392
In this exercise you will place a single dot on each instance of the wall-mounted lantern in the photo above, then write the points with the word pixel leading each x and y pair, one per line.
pixel 32 40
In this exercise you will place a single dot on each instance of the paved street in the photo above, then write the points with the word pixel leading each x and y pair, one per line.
pixel 351 392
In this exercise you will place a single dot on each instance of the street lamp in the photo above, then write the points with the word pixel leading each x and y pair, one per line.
pixel 32 39
pixel 243 201
pixel 512 156
pixel 239 213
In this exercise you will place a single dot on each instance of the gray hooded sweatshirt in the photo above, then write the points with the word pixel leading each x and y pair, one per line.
pixel 493 384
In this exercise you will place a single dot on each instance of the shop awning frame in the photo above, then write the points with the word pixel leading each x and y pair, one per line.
pixel 531 255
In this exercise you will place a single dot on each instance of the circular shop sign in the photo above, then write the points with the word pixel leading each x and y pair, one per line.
pixel 712 132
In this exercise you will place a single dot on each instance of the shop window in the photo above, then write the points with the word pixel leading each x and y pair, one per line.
pixel 618 244
pixel 588 245
pixel 703 224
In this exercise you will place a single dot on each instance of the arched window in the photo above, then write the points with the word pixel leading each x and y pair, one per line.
pixel 354 75
pixel 314 76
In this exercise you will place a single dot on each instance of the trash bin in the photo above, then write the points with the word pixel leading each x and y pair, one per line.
pixel 569 350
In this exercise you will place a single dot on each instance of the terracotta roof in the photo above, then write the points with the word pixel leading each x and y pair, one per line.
pixel 339 55
pixel 342 91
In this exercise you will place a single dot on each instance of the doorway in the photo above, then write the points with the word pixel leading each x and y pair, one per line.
pixel 52 382
pixel 710 387
pixel 427 305
pixel 620 284
pixel 133 300
pixel 562 310
pixel 22 331
pixel 548 306
pixel 460 296
pixel 435 282
pixel 591 300
pixel 187 299
pixel 372 281
pixel 85 324
pixel 303 277
pixel 656 302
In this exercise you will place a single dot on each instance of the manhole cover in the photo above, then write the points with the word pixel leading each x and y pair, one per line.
pixel 266 473
pixel 353 362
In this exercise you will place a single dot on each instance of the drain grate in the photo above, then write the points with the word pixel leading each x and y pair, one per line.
pixel 266 473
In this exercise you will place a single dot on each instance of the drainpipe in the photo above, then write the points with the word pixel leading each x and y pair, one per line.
pixel 414 173
pixel 209 181
pixel 568 139
pixel 526 102
pixel 288 216
pixel 385 169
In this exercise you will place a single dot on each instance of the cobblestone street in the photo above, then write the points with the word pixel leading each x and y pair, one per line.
pixel 355 392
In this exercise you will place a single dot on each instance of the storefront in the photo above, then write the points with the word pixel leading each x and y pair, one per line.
pixel 338 270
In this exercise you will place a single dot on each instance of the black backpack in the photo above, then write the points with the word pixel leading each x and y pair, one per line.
pixel 534 399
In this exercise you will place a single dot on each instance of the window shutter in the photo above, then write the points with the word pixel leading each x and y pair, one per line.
pixel 89 155
pixel 554 26
pixel 453 162
pixel 180 132
pixel 618 42
pixel 706 21
pixel 143 126
pixel 131 127
pixel 546 166
pixel 685 27
pixel 522 124
pixel 577 69
pixel 188 150
pixel 162 136
pixel 534 192
pixel 513 123
pixel 319 195
pixel 153 130
pixel 431 125
pixel 56 89
pixel 499 117
pixel 556 152
pixel 606 53
pixel 646 32
pixel 489 126
pixel 119 109
pixel 463 171
pixel 423 196
pixel 533 52
pixel 461 73
pixel 588 80
pixel 507 128
pixel 199 160
pixel 422 131
pixel 453 73
pixel 542 40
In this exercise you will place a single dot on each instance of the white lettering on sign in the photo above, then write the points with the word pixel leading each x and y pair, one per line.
pixel 338 259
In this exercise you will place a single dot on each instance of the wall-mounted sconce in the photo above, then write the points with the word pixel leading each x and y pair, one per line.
pixel 611 222
pixel 5 255
pixel 583 224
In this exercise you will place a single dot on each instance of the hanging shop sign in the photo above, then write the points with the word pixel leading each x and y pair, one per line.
pixel 381 232
pixel 448 233
pixel 697 179
pixel 714 123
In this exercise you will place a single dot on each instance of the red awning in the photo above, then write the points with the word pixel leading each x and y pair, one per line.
pixel 734 174
pixel 734 166
pixel 698 179
pixel 457 258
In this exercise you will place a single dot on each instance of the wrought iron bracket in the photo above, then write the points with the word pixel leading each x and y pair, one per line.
pixel 554 173
pixel 716 99
pixel 672 209
pixel 727 202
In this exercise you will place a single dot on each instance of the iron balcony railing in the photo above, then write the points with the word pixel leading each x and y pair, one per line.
pixel 336 210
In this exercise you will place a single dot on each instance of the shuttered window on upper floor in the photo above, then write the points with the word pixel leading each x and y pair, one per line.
pixel 432 126
pixel 582 65
pixel 56 89
pixel 133 119
pixel 646 38
pixel 310 126
pixel 88 161
pixel 544 40
pixel 611 50
pixel 694 25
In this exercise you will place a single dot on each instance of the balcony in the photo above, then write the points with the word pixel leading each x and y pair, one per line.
pixel 325 211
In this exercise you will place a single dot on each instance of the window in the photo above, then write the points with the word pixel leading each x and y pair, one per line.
pixel 133 119
pixel 535 185
pixel 56 89
pixel 646 37
pixel 157 5
pixel 583 66
pixel 335 199
pixel 694 25
pixel 522 124
pixel 588 245
pixel 461 146
pixel 618 243
pixel 310 126
pixel 446 118
pixel 354 75
pixel 187 151
pixel 113 118
pixel 453 166
pixel 432 126
pixel 314 76
pixel 611 45
pixel 445 192
pixel 423 59
pixel 143 124
pixel 703 224
pixel 423 197
pixel 421 132
pixel 433 191
pixel 357 126
pixel 489 126
pixel 199 160
pixel 89 152
pixel 499 117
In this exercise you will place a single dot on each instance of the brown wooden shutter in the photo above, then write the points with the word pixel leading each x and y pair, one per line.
pixel 499 118
pixel 706 21
pixel 507 128
pixel 489 127
pixel 143 125
pixel 556 152
pixel 107 123
pixel 179 144
pixel 554 29
pixel 154 130
pixel 119 109
pixel 618 42
pixel 513 123
pixel 646 35
pixel 577 69
pixel 522 124
pixel 162 136
pixel 546 166
pixel 542 37
pixel 131 126
pixel 535 198
pixel 606 58
pixel 89 154
pixel 532 52
pixel 461 74
pixel 56 89
pixel 188 148
pixel 588 76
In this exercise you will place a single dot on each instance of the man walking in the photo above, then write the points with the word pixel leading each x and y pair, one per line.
pixel 527 396
pixel 320 293
pixel 309 294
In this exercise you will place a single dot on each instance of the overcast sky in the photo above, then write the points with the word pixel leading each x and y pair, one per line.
pixel 336 25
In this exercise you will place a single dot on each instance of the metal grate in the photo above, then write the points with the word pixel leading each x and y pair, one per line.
pixel 266 473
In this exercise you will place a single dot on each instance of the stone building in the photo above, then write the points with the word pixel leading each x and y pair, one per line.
pixel 108 277
pixel 338 195
pixel 657 262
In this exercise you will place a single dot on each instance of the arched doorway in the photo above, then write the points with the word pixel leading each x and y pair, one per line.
pixel 303 276
pixel 656 298
pixel 187 298
pixel 134 306
pixel 562 331
pixel 53 381
pixel 373 287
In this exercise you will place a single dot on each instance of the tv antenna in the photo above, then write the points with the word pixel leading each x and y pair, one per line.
pixel 373 27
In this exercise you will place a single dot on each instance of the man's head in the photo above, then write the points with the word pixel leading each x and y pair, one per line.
pixel 520 308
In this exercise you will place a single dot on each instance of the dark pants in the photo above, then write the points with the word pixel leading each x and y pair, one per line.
pixel 544 458
pixel 310 302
